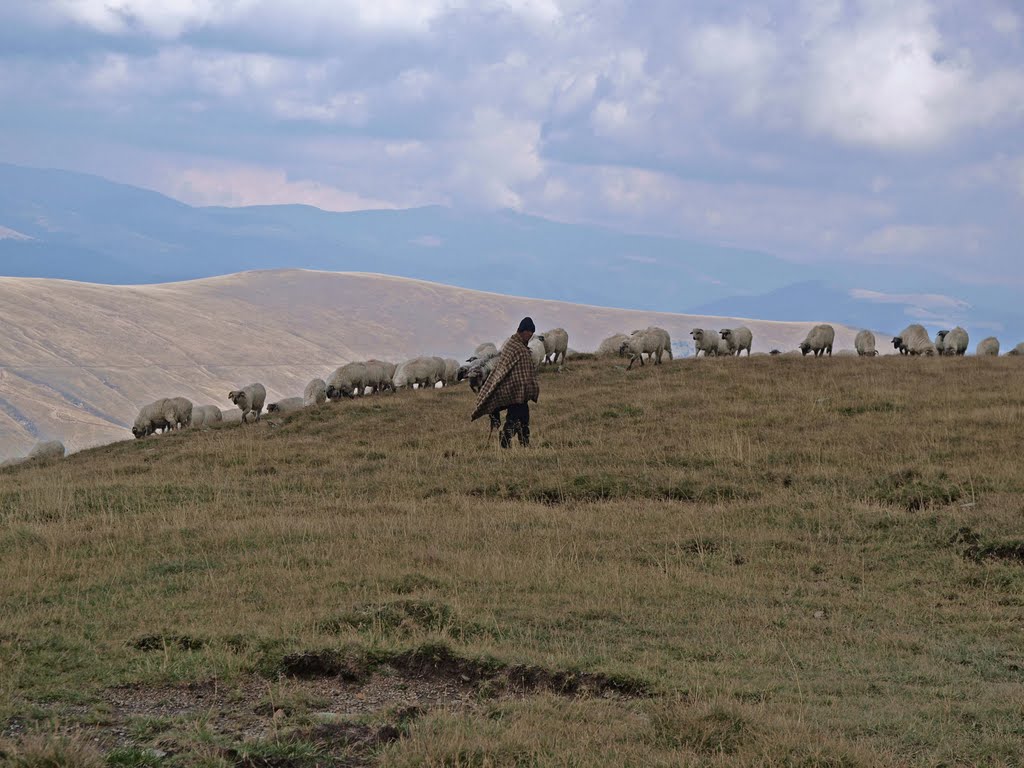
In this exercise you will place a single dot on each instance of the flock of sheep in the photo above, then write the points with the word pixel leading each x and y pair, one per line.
pixel 348 381
pixel 361 378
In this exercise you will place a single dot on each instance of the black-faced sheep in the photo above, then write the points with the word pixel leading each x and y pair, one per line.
pixel 249 399
pixel 738 339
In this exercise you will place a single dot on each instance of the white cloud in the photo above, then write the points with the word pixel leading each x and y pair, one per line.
pixel 910 240
pixel 494 157
pixel 932 301
pixel 742 54
pixel 251 185
pixel 1005 22
pixel 889 80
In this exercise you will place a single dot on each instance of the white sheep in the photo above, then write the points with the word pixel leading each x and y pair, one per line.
pixel 954 342
pixel 422 371
pixel 738 339
pixel 249 399
pixel 1018 350
pixel 612 346
pixel 913 340
pixel 988 347
pixel 379 375
pixel 158 415
pixel 704 341
pixel 652 341
pixel 451 371
pixel 286 406
pixel 865 344
pixel 556 344
pixel 819 340
pixel 315 392
pixel 485 350
pixel 537 349
pixel 349 380
pixel 49 449
pixel 940 342
pixel 182 411
pixel 205 416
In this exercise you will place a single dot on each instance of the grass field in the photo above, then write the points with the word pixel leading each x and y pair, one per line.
pixel 763 562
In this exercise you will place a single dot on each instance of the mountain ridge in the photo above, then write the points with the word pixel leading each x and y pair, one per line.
pixel 78 359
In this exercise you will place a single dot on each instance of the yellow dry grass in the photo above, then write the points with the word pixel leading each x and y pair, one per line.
pixel 806 562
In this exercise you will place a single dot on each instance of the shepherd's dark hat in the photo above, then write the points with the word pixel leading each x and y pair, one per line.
pixel 526 324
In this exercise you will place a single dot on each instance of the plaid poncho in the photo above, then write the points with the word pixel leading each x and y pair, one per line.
pixel 513 380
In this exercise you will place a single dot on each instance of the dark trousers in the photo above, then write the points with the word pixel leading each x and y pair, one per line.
pixel 517 423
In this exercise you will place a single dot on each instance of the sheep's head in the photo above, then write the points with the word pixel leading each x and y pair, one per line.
pixel 698 334
pixel 805 347
pixel 897 342
pixel 273 408
pixel 239 398
pixel 138 432
pixel 726 333
pixel 775 352
pixel 941 335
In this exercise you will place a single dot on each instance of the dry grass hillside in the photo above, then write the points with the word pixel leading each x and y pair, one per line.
pixel 765 562
pixel 77 360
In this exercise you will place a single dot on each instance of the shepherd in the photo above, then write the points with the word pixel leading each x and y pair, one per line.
pixel 510 386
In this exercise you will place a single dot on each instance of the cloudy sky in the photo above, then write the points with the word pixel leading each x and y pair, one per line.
pixel 878 131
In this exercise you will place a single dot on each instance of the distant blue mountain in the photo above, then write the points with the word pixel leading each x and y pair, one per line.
pixel 87 228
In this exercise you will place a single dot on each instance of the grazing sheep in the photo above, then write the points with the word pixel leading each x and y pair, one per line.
pixel 913 340
pixel 49 449
pixel 537 349
pixel 988 347
pixel 556 344
pixel 819 340
pixel 865 344
pixel 349 380
pixel 1018 350
pixel 379 375
pixel 704 341
pixel 653 341
pixel 288 405
pixel 205 416
pixel 612 346
pixel 954 342
pixel 451 371
pixel 231 417
pixel 182 407
pixel 158 415
pixel 940 342
pixel 422 371
pixel 249 399
pixel 738 339
pixel 485 350
pixel 315 393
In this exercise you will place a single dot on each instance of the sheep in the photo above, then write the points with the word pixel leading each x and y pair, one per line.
pixel 1018 350
pixel 288 405
pixel 249 399
pixel 478 371
pixel 612 346
pixel 182 411
pixel 704 341
pixel 954 342
pixel 158 415
pixel 913 340
pixel 451 371
pixel 940 342
pixel 206 415
pixel 654 341
pixel 738 339
pixel 865 344
pixel 485 350
pixel 538 350
pixel 234 416
pixel 556 344
pixel 988 347
pixel 379 375
pixel 315 392
pixel 49 449
pixel 348 381
pixel 819 340
pixel 424 371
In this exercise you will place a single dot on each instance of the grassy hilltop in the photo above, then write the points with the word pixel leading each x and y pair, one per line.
pixel 770 562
